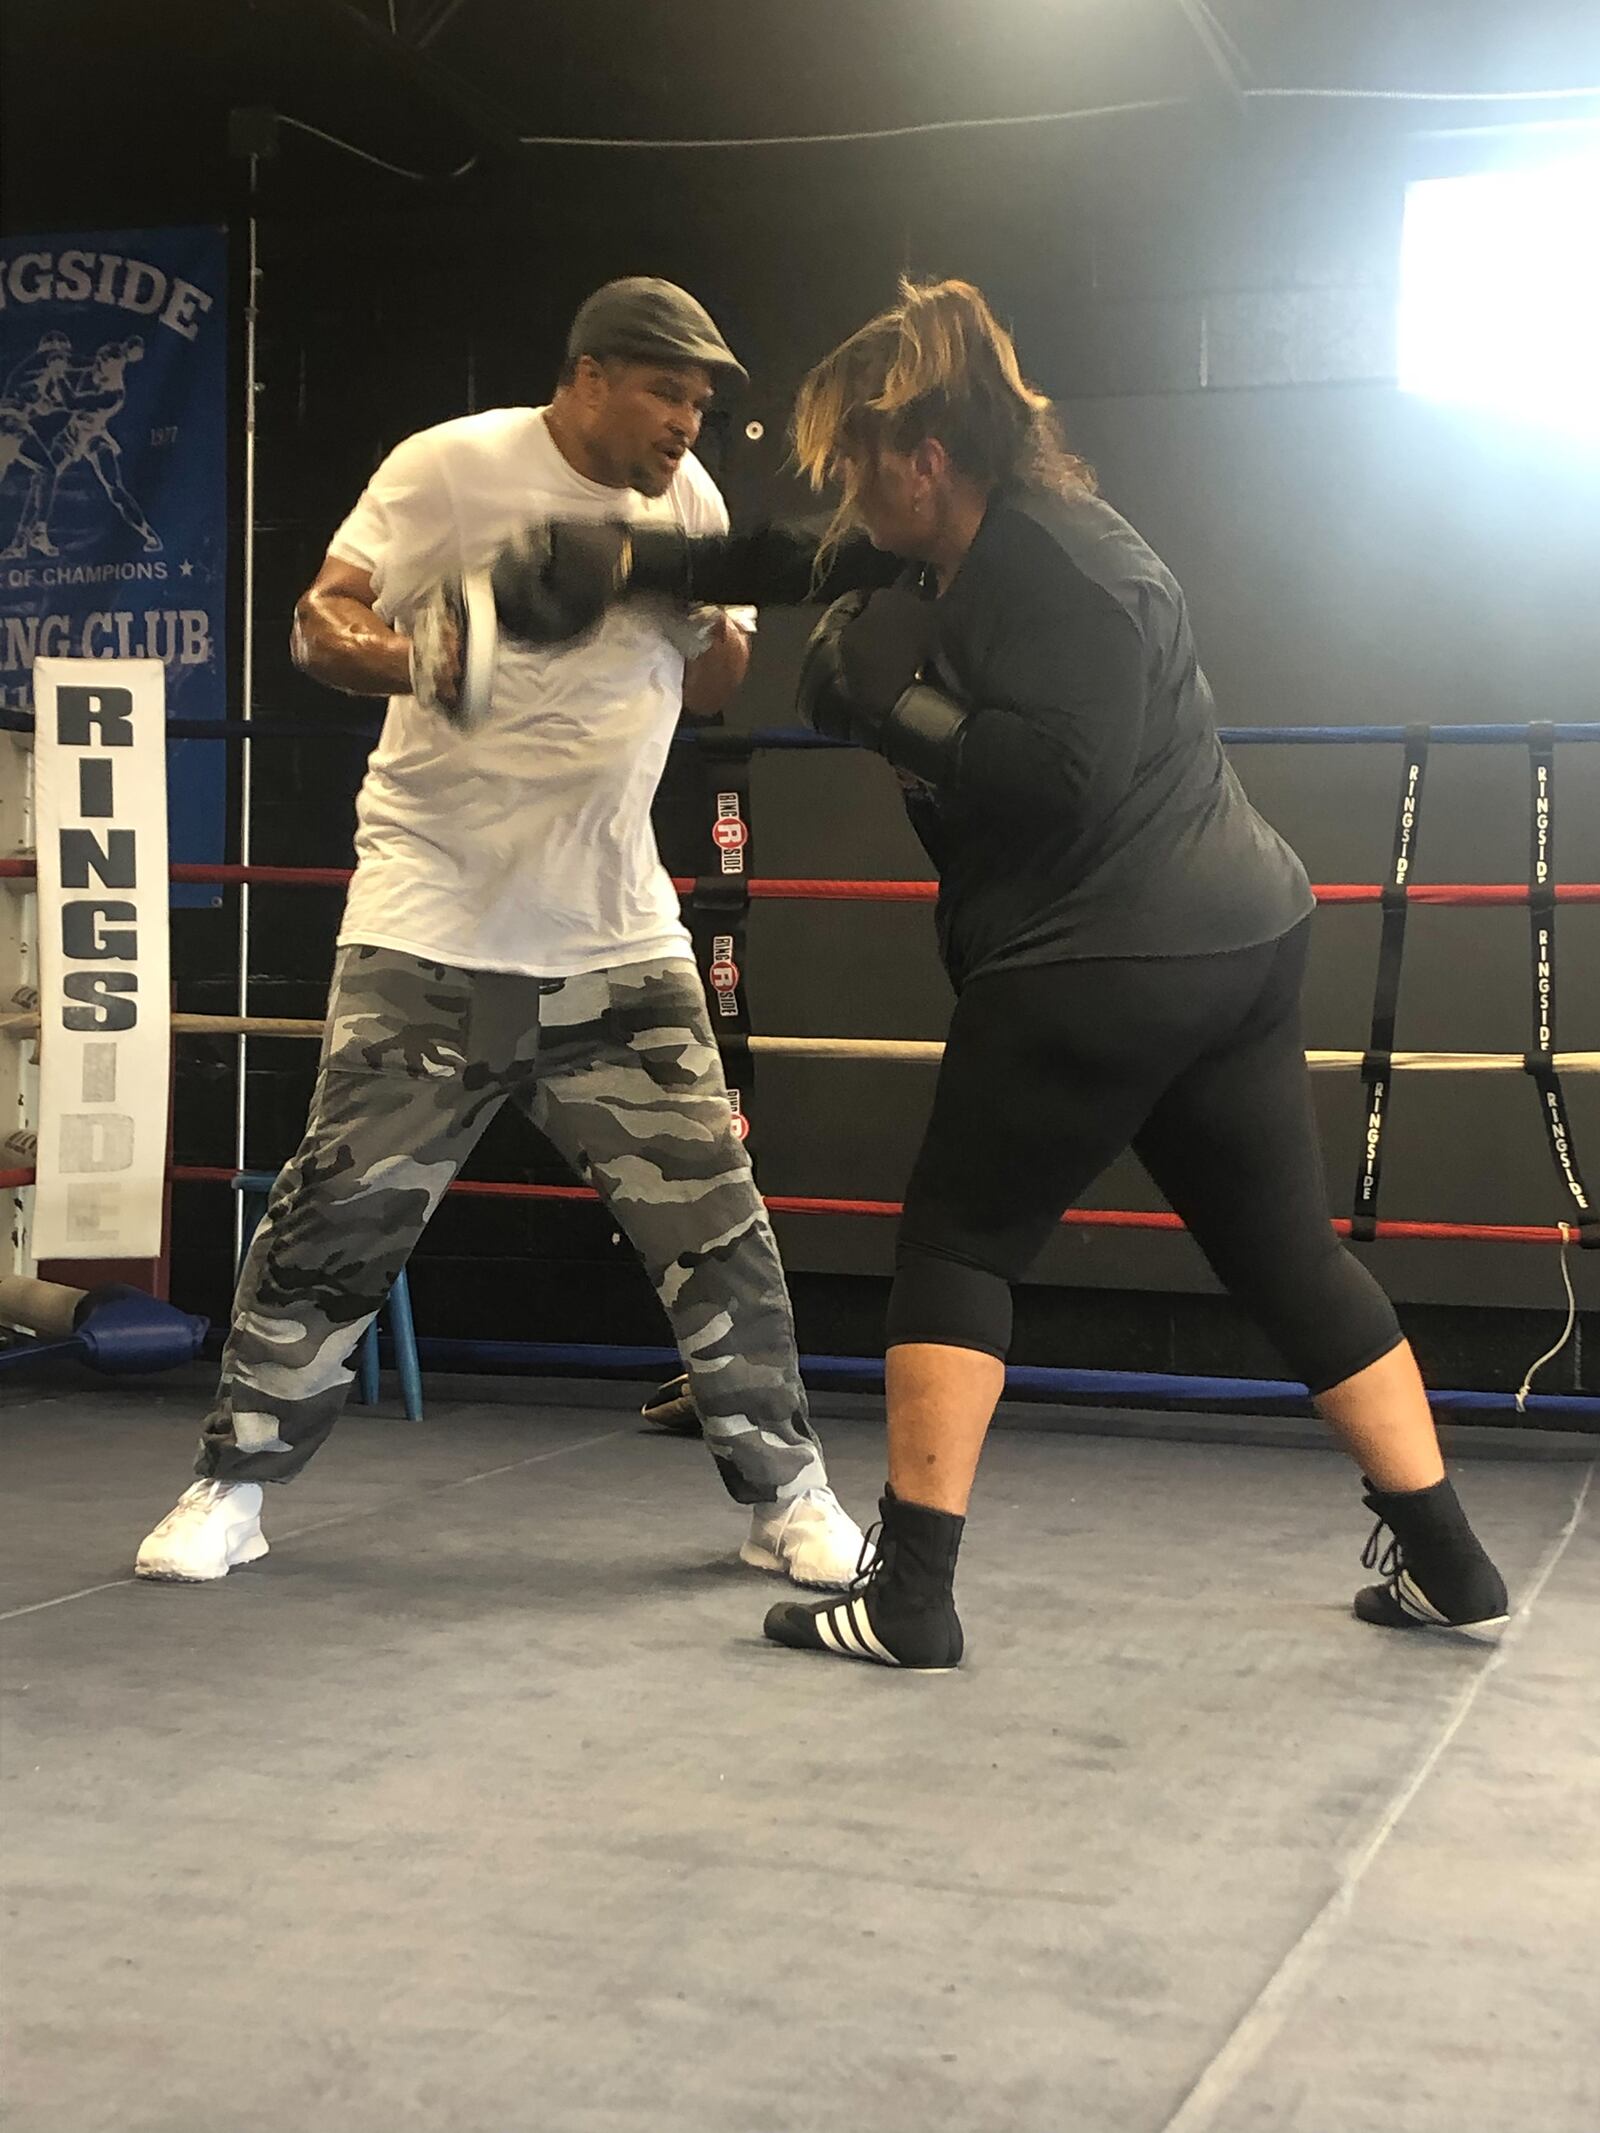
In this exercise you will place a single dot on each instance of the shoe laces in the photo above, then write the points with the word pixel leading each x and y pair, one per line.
pixel 873 1558
pixel 1388 1561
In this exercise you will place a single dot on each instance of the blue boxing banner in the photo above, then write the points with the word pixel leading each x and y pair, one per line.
pixel 114 480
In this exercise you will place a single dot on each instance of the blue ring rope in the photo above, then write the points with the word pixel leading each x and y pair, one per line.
pixel 774 739
pixel 231 729
pixel 1070 1385
pixel 1466 735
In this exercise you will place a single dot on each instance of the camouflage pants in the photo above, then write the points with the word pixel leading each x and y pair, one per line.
pixel 619 1070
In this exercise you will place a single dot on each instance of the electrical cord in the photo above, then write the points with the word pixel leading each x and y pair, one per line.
pixel 1058 118
pixel 992 123
pixel 396 170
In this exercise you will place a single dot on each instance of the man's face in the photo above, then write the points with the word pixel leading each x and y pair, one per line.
pixel 640 418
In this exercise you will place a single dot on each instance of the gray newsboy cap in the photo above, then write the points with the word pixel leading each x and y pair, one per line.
pixel 643 317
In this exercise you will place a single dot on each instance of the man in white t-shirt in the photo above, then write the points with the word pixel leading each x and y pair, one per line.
pixel 511 933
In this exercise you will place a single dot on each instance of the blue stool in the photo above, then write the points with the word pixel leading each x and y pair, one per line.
pixel 256 1185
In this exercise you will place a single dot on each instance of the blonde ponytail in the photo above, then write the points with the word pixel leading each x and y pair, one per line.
pixel 941 365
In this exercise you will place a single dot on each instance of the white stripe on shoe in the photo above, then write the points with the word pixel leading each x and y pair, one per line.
pixel 844 1621
pixel 1412 1600
pixel 845 1628
pixel 863 1626
pixel 823 1618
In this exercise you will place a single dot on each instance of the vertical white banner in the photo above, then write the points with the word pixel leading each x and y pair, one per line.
pixel 100 779
pixel 19 976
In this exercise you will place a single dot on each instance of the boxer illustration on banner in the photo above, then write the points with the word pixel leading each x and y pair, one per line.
pixel 34 390
pixel 89 399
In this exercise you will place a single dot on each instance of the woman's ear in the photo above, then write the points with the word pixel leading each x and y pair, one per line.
pixel 931 460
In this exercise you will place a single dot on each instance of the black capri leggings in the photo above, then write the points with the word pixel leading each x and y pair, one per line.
pixel 1198 1064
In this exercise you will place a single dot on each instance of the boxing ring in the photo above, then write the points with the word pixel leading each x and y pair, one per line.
pixel 717 905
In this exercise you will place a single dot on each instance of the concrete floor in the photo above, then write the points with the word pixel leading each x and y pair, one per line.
pixel 480 1806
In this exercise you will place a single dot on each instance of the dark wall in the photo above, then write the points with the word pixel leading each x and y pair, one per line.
pixel 1214 307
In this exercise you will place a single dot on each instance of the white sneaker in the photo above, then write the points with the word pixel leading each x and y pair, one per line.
pixel 212 1528
pixel 811 1538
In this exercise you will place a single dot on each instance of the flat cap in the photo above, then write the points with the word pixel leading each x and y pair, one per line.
pixel 643 318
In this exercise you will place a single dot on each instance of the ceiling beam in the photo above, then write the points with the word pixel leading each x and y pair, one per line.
pixel 489 126
pixel 435 21
pixel 1227 62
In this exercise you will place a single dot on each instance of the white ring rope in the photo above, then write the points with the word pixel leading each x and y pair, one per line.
pixel 905 1051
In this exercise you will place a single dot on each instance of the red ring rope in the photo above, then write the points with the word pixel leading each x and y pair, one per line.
pixel 784 889
pixel 1338 892
pixel 801 1204
pixel 805 1204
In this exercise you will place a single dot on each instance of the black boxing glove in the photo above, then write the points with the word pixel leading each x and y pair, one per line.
pixel 925 735
pixel 884 647
pixel 858 682
pixel 821 696
pixel 554 582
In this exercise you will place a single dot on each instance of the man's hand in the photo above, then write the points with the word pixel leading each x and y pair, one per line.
pixel 439 651
pixel 339 639
pixel 711 680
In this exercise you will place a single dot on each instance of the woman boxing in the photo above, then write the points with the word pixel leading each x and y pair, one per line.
pixel 1126 936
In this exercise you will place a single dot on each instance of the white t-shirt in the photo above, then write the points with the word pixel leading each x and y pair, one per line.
pixel 526 844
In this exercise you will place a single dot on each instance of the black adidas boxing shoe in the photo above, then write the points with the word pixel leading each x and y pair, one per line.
pixel 901 1610
pixel 1435 1571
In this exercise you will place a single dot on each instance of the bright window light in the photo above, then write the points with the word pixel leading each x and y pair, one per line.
pixel 1500 293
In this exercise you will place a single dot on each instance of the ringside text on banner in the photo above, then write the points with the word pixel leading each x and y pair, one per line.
pixel 104 994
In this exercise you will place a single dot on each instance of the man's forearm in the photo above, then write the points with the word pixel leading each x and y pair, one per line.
pixel 345 645
pixel 771 566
